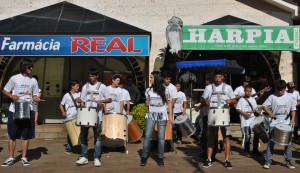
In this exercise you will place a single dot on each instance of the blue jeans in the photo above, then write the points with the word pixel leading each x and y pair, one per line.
pixel 69 143
pixel 270 149
pixel 97 141
pixel 161 125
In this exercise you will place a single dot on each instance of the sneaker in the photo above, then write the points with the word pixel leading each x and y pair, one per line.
pixel 160 162
pixel 25 162
pixel 68 151
pixel 289 165
pixel 207 164
pixel 82 161
pixel 97 162
pixel 8 162
pixel 227 164
pixel 143 162
pixel 267 166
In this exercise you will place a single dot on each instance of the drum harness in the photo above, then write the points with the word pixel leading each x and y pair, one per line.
pixel 218 93
pixel 92 92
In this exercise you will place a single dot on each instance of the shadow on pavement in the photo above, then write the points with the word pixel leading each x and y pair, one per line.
pixel 34 154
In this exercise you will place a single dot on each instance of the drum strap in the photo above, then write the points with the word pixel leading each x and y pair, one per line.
pixel 249 103
pixel 75 104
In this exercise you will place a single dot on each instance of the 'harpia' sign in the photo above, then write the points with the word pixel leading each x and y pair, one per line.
pixel 218 37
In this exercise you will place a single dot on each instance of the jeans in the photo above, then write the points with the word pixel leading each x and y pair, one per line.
pixel 69 143
pixel 97 141
pixel 178 129
pixel 161 125
pixel 247 134
pixel 270 149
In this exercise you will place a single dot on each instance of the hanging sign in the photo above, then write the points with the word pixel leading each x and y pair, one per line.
pixel 241 37
pixel 75 45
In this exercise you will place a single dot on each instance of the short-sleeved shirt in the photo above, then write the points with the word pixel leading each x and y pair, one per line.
pixel 208 94
pixel 23 86
pixel 69 104
pixel 295 95
pixel 178 106
pixel 116 94
pixel 90 92
pixel 157 109
pixel 281 106
pixel 171 92
pixel 240 91
pixel 126 95
pixel 244 106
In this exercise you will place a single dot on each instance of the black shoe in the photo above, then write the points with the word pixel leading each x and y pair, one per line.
pixel 160 162
pixel 143 162
pixel 227 164
pixel 207 164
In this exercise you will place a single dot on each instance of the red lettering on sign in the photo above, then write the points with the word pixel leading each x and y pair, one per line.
pixel 130 45
pixel 96 42
pixel 116 44
pixel 80 43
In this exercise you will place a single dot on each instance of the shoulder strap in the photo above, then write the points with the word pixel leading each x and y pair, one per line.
pixel 98 86
pixel 248 103
pixel 223 88
pixel 75 104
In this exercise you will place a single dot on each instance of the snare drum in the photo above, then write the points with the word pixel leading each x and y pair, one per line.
pixel 218 117
pixel 168 132
pixel 73 131
pixel 134 131
pixel 261 126
pixel 185 125
pixel 282 134
pixel 87 116
pixel 22 109
pixel 114 130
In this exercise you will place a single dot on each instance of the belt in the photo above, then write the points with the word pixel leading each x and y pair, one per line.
pixel 157 106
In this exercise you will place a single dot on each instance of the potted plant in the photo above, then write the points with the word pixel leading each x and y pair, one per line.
pixel 139 112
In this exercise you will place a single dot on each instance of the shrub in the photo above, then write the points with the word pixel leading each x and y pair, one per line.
pixel 139 112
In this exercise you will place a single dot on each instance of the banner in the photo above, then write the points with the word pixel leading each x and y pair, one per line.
pixel 241 37
pixel 115 45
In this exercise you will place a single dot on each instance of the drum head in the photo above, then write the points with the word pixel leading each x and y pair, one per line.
pixel 257 120
pixel 180 119
pixel 129 118
pixel 284 127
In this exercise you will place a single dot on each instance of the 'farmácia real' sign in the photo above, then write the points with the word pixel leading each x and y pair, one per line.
pixel 107 45
pixel 230 37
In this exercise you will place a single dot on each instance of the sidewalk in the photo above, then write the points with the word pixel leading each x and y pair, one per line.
pixel 47 155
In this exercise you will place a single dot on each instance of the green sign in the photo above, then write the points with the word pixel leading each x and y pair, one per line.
pixel 230 37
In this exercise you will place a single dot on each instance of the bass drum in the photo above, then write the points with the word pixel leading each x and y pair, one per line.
pixel 87 116
pixel 218 117
pixel 134 131
pixel 73 131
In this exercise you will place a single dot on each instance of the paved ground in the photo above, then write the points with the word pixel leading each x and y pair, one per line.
pixel 48 156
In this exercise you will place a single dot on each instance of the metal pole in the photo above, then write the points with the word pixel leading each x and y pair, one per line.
pixel 191 90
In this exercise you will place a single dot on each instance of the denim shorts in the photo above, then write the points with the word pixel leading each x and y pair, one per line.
pixel 20 128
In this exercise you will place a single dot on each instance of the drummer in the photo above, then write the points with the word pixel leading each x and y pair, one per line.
pixel 179 109
pixel 68 105
pixel 218 94
pixel 94 94
pixel 21 86
pixel 283 106
pixel 117 104
pixel 246 107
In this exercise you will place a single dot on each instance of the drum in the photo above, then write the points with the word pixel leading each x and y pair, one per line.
pixel 168 132
pixel 185 125
pixel 87 116
pixel 114 130
pixel 260 125
pixel 134 131
pixel 218 117
pixel 22 109
pixel 73 131
pixel 282 134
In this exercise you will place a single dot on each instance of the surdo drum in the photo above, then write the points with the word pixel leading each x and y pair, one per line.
pixel 22 109
pixel 260 126
pixel 134 131
pixel 73 131
pixel 185 125
pixel 218 116
pixel 87 116
pixel 282 134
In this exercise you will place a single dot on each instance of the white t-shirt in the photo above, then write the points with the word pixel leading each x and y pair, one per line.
pixel 23 86
pixel 116 94
pixel 126 95
pixel 171 92
pixel 295 95
pixel 178 106
pixel 69 105
pixel 228 94
pixel 156 105
pixel 281 106
pixel 244 106
pixel 90 92
pixel 240 91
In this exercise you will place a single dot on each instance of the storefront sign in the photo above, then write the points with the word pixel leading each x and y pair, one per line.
pixel 230 37
pixel 75 45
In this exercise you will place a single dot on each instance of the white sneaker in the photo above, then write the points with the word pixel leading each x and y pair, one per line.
pixel 97 163
pixel 82 161
pixel 25 162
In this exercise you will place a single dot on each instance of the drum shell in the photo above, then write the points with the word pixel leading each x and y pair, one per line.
pixel 218 117
pixel 134 131
pixel 73 131
pixel 168 132
pixel 261 127
pixel 114 130
pixel 87 116
pixel 282 134
pixel 22 109
pixel 186 126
